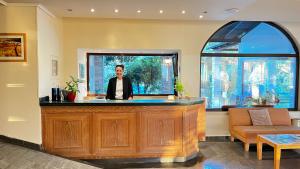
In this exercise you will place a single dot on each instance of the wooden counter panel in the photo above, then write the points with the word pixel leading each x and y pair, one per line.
pixel 114 133
pixel 93 132
pixel 190 142
pixel 201 121
pixel 67 135
pixel 161 132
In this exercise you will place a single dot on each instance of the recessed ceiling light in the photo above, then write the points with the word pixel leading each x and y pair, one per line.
pixel 92 10
pixel 183 11
pixel 116 10
pixel 161 11
pixel 201 16
pixel 138 11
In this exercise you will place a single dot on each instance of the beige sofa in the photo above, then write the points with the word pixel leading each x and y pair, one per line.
pixel 240 125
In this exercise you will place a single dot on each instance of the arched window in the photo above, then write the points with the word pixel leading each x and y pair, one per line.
pixel 248 62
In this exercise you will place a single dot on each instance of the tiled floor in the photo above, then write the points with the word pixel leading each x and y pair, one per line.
pixel 16 157
pixel 215 155
pixel 227 155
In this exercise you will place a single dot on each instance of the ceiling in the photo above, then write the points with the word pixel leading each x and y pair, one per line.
pixel 267 10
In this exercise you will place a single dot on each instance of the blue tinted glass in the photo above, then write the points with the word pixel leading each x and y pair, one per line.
pixel 148 74
pixel 249 38
pixel 243 80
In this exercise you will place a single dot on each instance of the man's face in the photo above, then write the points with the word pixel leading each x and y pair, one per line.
pixel 119 72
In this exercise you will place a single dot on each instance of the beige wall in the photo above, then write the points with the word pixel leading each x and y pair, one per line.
pixel 20 115
pixel 19 110
pixel 189 37
pixel 49 32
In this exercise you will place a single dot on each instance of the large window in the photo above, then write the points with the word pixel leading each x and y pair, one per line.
pixel 150 74
pixel 250 60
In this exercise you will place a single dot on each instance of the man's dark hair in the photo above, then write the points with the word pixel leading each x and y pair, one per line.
pixel 121 66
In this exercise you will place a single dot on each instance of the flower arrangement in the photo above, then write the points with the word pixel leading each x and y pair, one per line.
pixel 72 88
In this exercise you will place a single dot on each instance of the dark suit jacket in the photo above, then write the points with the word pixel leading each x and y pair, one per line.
pixel 111 89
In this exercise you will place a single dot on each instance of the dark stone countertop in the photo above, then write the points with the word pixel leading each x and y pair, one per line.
pixel 138 102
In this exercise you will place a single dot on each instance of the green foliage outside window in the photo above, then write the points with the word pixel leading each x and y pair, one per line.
pixel 148 74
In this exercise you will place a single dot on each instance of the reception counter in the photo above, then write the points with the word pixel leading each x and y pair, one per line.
pixel 98 129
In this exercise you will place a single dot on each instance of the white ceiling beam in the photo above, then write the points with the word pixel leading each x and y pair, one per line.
pixel 43 8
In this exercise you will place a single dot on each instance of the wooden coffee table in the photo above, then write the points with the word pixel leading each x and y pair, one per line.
pixel 278 142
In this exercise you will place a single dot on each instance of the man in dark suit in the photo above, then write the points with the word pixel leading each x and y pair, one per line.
pixel 119 87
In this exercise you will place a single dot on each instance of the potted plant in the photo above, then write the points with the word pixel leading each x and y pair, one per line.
pixel 179 88
pixel 72 88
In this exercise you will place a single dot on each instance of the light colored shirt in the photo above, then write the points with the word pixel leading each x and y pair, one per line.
pixel 119 89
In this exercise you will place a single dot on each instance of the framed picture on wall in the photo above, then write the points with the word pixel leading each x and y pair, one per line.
pixel 13 47
pixel 54 66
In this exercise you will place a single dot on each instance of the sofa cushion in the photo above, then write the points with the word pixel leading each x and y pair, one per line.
pixel 280 117
pixel 260 117
pixel 239 117
pixel 250 132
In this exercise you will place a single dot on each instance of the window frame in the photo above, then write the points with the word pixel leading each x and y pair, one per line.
pixel 276 26
pixel 176 68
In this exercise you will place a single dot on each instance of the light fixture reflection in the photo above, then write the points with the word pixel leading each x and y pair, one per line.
pixel 15 119
pixel 11 85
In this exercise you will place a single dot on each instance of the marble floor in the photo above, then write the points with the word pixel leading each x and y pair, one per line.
pixel 214 155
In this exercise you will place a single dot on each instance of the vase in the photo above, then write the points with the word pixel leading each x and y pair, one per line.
pixel 180 95
pixel 71 96
pixel 65 94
